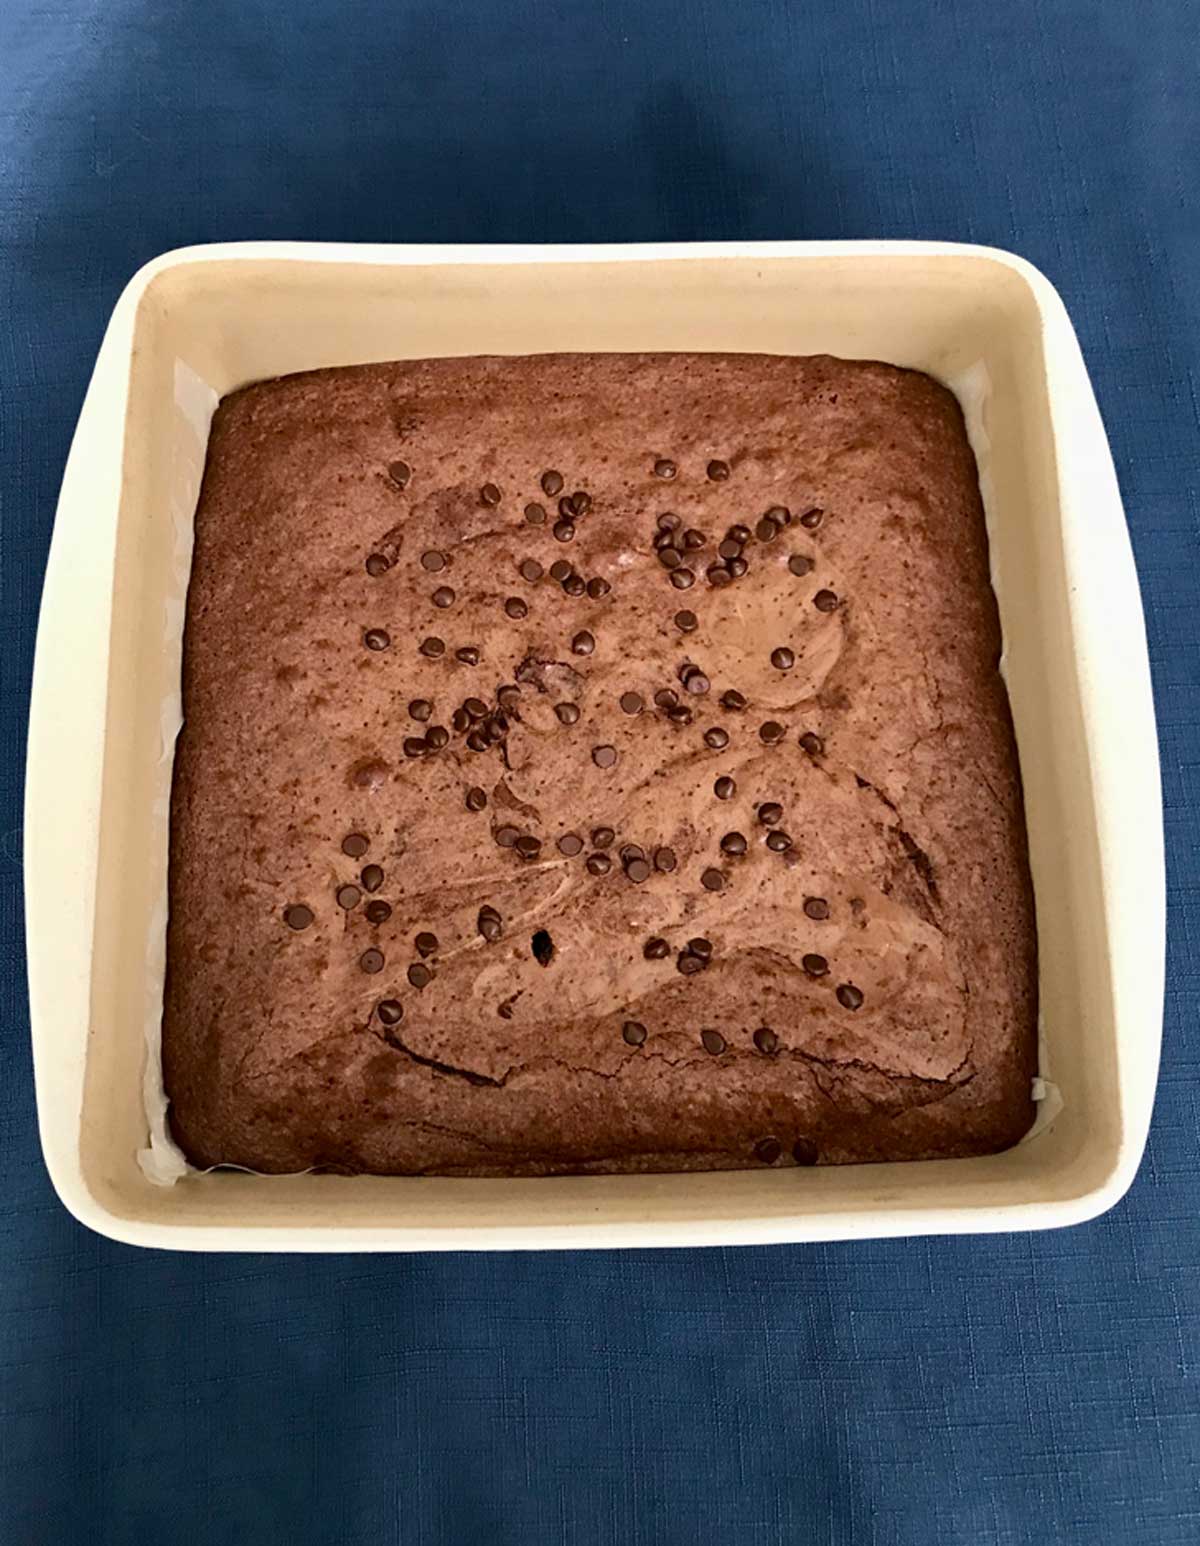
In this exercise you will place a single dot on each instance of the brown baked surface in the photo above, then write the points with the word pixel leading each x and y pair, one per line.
pixel 904 815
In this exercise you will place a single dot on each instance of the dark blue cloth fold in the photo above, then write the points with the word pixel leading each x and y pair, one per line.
pixel 992 1391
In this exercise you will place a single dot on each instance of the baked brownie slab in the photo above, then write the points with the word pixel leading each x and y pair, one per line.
pixel 595 763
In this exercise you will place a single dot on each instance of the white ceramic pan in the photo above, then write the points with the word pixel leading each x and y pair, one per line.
pixel 198 323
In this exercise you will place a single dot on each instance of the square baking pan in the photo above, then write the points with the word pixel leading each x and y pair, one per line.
pixel 201 322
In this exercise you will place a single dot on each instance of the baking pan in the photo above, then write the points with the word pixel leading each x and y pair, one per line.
pixel 198 323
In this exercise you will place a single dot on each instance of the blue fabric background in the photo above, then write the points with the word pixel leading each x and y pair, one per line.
pixel 990 1391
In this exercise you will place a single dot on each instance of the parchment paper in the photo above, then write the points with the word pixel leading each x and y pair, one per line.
pixel 195 401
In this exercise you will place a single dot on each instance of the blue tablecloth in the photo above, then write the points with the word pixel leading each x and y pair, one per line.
pixel 987 1391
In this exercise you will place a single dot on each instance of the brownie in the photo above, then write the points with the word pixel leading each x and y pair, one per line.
pixel 595 763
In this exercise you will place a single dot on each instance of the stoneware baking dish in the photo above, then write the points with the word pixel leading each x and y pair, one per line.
pixel 197 323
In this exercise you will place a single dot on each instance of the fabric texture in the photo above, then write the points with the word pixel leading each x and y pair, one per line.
pixel 996 1391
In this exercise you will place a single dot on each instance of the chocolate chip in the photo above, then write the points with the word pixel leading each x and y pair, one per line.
pixel 372 877
pixel 634 1033
pixel 739 534
pixel 696 682
pixel 604 756
pixel 701 947
pixel 581 502
pixel 680 716
pixel 348 897
pixel 371 961
pixel 355 844
pixel 816 907
pixel 531 570
pixel 475 708
pixel 783 659
pixel 849 997
pixel 718 471
pixel 768 1150
pixel 766 1040
pixel 733 843
pixel 771 732
pixel 489 494
pixel 712 880
pixel 778 842
pixel 552 482
pixel 477 741
pixel 460 720
pixel 468 655
pixel 737 567
pixel 528 846
pixel 420 976
pixel 815 965
pixel 436 737
pixel 665 860
pixel 419 709
pixel 603 837
pixel 377 638
pixel 766 530
pixel 433 560
pixel 377 564
pixel 489 924
pixel 568 713
pixel 811 519
pixel 780 514
pixel 297 916
pixel 399 473
pixel 668 521
pixel 686 622
pixel 805 1152
pixel 507 696
pixel 666 698
pixel 664 468
pixel 725 788
pixel 694 540
pixel 378 912
pixel 799 565
pixel 516 608
pixel 812 743
pixel 825 601
pixel 670 558
pixel 598 588
pixel 656 949
pixel 560 570
pixel 638 871
pixel 583 643
pixel 631 851
pixel 712 1041
pixel 682 579
pixel 390 1011
pixel 770 812
pixel 476 798
pixel 535 514
pixel 426 943
pixel 433 647
pixel 716 738
pixel 564 531
pixel 598 864
pixel 631 702
pixel 570 843
pixel 728 548
pixel 444 597
pixel 566 507
pixel 507 836
pixel 574 585
pixel 733 700
pixel 414 746
pixel 688 963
